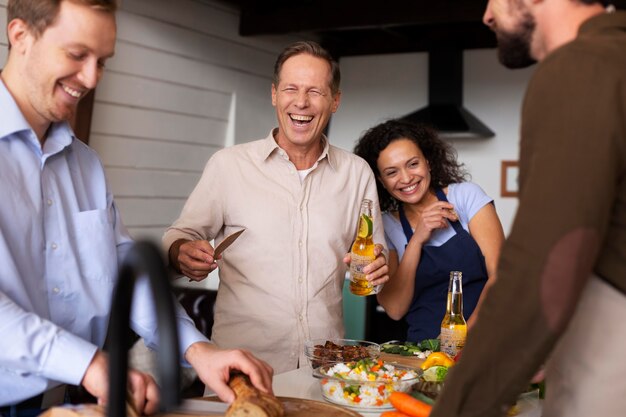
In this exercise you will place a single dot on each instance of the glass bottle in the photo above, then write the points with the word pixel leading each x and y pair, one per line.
pixel 362 253
pixel 453 325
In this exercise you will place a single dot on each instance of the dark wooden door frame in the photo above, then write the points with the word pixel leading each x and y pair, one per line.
pixel 81 122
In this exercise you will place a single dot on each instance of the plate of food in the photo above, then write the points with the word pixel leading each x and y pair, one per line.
pixel 365 384
pixel 324 352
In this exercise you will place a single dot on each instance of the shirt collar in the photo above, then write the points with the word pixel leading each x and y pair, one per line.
pixel 12 121
pixel 271 146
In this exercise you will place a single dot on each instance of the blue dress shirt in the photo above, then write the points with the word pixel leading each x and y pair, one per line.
pixel 60 243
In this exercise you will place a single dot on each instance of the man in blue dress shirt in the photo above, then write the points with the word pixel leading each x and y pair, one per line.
pixel 61 234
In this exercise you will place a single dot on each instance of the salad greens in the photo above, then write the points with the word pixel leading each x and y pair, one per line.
pixel 410 348
pixel 430 344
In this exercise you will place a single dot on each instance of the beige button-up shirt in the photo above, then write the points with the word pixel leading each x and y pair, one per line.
pixel 281 281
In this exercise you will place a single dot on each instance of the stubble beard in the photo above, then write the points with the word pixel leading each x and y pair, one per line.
pixel 514 47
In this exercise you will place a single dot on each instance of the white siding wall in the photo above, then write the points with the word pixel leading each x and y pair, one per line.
pixel 167 102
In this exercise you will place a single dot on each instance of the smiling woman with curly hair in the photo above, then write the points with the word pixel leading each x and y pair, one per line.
pixel 435 222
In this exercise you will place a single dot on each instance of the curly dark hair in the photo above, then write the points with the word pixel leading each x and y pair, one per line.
pixel 444 168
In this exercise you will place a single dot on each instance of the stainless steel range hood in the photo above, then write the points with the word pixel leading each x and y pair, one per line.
pixel 445 109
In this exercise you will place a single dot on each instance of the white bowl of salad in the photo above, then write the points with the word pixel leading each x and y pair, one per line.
pixel 365 384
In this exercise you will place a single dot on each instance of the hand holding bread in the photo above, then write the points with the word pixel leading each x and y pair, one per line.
pixel 250 402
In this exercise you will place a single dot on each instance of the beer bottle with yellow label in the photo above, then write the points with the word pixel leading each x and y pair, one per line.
pixel 362 253
pixel 453 326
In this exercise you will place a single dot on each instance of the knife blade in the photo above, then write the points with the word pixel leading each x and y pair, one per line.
pixel 198 407
pixel 228 240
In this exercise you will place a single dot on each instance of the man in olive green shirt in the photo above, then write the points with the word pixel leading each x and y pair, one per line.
pixel 560 294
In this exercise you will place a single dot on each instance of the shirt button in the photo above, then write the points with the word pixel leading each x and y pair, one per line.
pixel 49 202
pixel 300 243
pixel 301 318
pixel 300 280
pixel 56 290
pixel 54 246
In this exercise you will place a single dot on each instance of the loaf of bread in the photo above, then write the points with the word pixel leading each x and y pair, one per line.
pixel 250 402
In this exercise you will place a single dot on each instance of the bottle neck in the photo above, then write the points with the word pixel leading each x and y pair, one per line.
pixel 455 294
pixel 365 222
pixel 455 304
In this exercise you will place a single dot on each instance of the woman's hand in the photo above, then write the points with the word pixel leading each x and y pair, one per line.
pixel 434 216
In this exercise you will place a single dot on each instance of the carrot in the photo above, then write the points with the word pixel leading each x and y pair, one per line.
pixel 393 414
pixel 408 405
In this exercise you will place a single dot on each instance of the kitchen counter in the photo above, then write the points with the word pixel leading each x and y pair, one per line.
pixel 300 383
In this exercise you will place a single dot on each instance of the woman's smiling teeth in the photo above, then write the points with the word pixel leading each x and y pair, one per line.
pixel 409 188
pixel 300 118
pixel 71 91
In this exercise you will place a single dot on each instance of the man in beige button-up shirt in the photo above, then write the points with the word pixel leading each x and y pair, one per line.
pixel 298 198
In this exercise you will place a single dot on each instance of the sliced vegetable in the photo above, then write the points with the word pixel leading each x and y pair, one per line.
pixel 435 373
pixel 437 359
pixel 405 349
pixel 408 405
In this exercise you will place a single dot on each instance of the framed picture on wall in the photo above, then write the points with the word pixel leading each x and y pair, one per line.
pixel 509 172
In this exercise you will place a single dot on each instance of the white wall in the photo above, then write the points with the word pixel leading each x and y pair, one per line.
pixel 379 87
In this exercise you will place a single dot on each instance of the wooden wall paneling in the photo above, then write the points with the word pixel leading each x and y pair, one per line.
pixel 160 65
pixel 145 212
pixel 131 90
pixel 154 234
pixel 126 182
pixel 3 22
pixel 3 33
pixel 215 19
pixel 254 114
pixel 183 42
pixel 151 154
pixel 151 124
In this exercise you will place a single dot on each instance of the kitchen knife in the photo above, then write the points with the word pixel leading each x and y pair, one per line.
pixel 228 240
pixel 198 407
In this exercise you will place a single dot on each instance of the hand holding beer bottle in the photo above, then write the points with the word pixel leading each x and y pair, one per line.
pixel 362 253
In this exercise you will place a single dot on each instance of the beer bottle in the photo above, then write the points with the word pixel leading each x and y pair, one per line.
pixel 362 253
pixel 453 326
